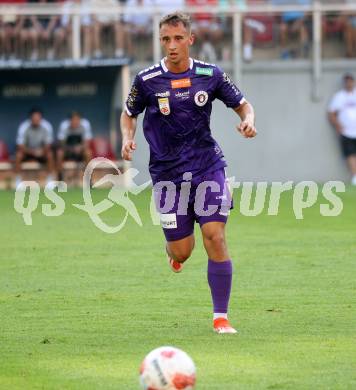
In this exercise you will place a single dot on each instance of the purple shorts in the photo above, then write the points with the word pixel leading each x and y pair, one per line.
pixel 201 199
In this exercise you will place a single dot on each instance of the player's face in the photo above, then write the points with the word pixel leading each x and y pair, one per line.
pixel 175 41
pixel 349 84
pixel 75 121
pixel 36 119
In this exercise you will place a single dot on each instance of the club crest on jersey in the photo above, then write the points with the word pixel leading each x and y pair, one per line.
pixel 164 107
pixel 200 98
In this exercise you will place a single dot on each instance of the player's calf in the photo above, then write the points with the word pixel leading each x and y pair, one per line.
pixel 178 252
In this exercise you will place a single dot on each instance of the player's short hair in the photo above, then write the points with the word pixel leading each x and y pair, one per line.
pixel 348 76
pixel 175 18
pixel 73 114
pixel 35 109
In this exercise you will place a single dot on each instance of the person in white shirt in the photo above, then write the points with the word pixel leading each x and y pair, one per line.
pixel 63 32
pixel 342 115
pixel 74 135
pixel 107 22
pixel 138 27
pixel 34 143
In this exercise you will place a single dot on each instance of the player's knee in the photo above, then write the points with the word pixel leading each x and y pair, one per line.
pixel 215 239
pixel 20 155
pixel 49 155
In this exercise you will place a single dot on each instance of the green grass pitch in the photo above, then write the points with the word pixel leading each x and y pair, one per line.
pixel 79 309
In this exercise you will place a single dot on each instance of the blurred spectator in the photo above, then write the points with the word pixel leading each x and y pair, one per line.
pixel 350 32
pixel 255 27
pixel 107 22
pixel 138 26
pixel 207 28
pixel 342 115
pixel 333 25
pixel 62 41
pixel 293 23
pixel 9 25
pixel 169 6
pixel 45 26
pixel 34 142
pixel 63 32
pixel 74 135
pixel 257 30
pixel 28 36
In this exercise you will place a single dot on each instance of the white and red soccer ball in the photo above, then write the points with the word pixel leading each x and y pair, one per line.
pixel 167 368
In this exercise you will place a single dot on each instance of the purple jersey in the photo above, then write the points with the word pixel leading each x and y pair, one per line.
pixel 177 118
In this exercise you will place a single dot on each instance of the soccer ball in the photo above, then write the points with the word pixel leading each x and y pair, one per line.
pixel 167 368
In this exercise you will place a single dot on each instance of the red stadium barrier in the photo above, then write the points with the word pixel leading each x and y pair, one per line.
pixel 101 147
pixel 4 152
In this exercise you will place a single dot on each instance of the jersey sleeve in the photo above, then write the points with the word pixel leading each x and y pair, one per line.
pixel 62 131
pixel 88 135
pixel 49 132
pixel 335 103
pixel 20 139
pixel 135 102
pixel 226 90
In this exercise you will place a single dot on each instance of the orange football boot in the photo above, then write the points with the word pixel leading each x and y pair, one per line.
pixel 176 266
pixel 222 325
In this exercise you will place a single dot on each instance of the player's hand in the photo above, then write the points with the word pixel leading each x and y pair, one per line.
pixel 127 148
pixel 248 130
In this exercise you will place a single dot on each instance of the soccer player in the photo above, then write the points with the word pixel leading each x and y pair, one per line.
pixel 177 94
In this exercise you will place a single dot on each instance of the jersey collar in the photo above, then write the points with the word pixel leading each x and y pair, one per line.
pixel 164 67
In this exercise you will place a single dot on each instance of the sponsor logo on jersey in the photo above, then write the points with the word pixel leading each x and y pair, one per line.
pixel 164 106
pixel 181 83
pixel 131 99
pixel 169 221
pixel 228 80
pixel 182 95
pixel 163 94
pixel 200 98
pixel 151 75
pixel 204 71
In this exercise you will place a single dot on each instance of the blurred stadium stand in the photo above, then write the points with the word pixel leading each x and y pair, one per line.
pixel 49 56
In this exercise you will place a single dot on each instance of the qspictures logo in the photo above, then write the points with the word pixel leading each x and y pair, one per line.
pixel 27 196
pixel 254 199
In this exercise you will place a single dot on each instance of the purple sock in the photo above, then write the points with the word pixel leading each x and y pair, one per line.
pixel 220 278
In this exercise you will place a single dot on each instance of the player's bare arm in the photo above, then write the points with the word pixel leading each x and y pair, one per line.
pixel 128 129
pixel 247 126
pixel 335 122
